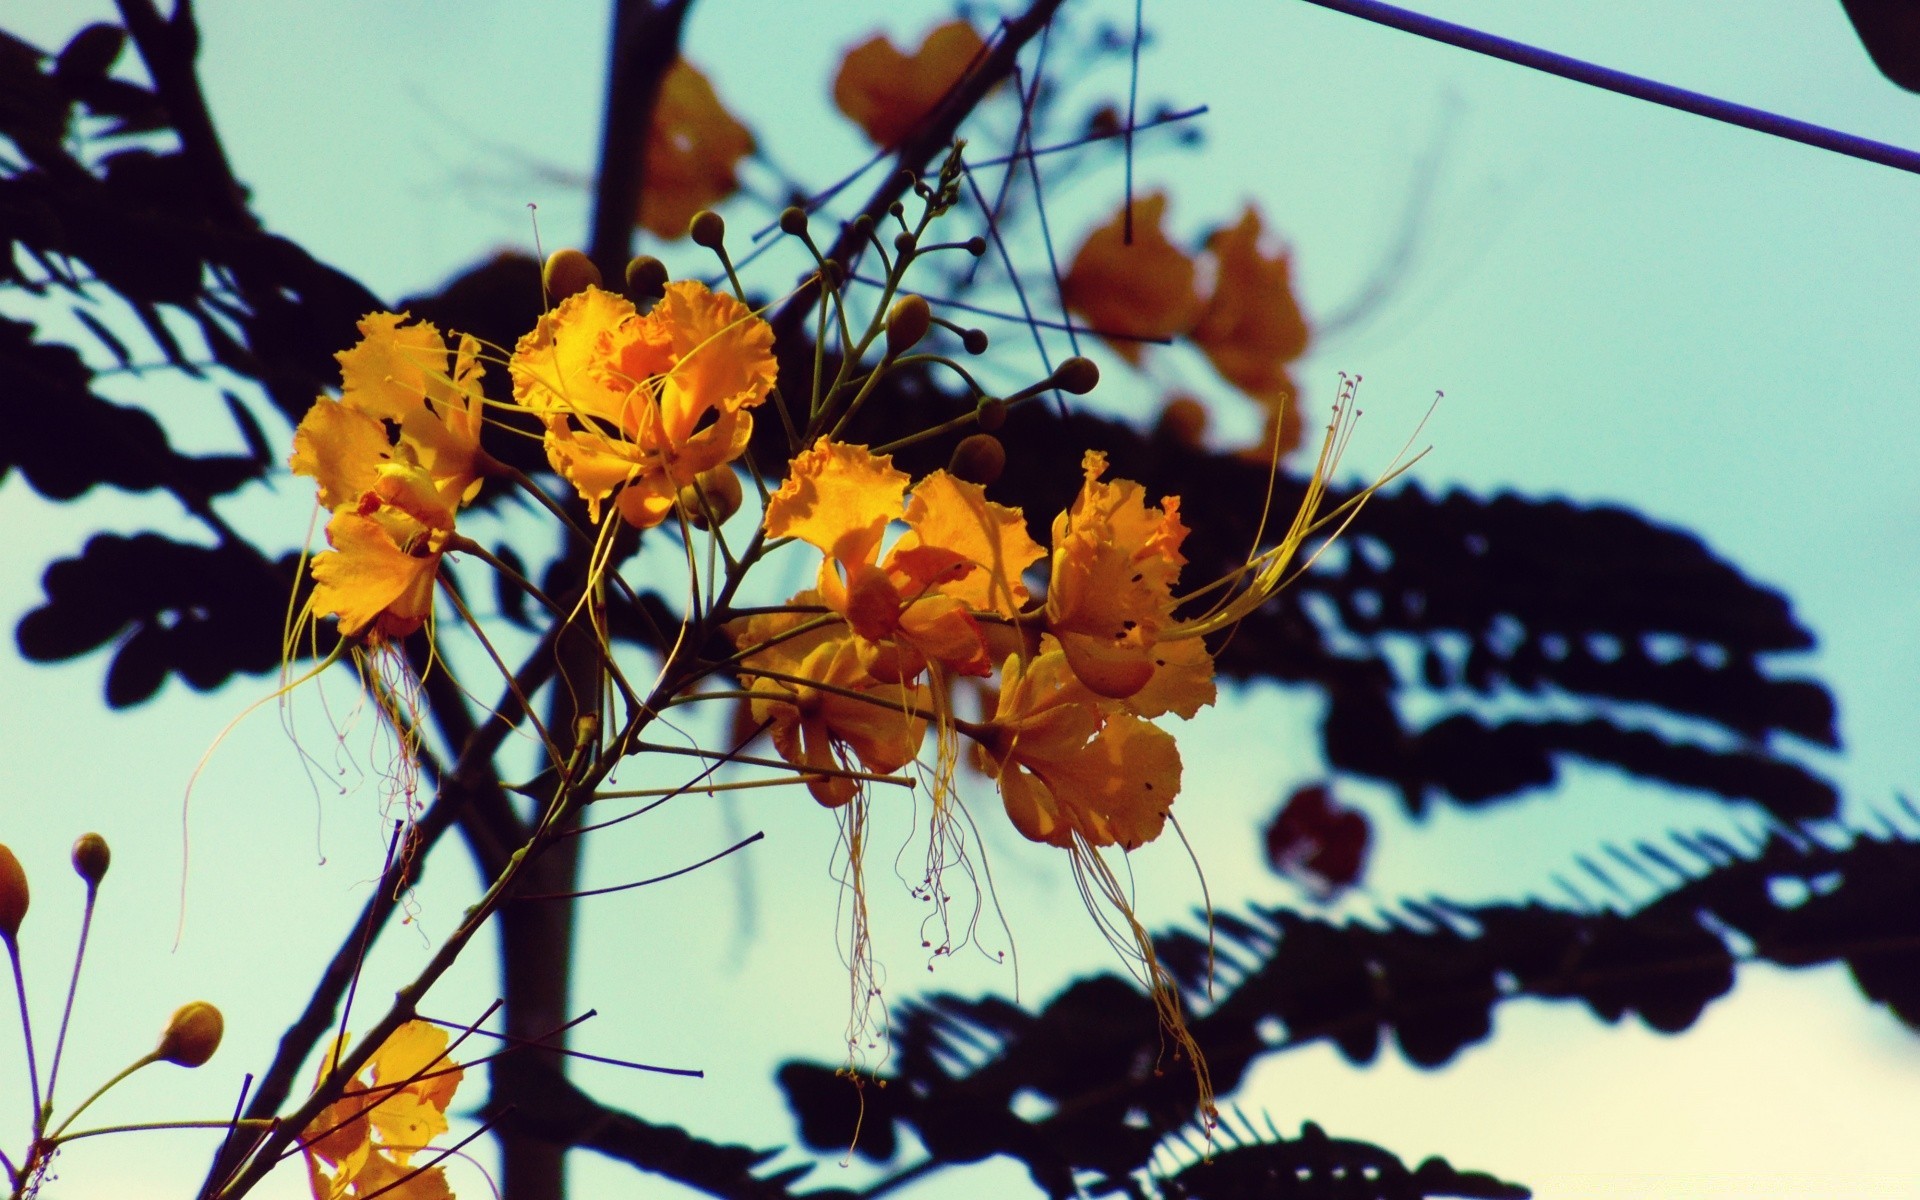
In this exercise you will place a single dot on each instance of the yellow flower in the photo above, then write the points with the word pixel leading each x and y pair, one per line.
pixel 626 398
pixel 396 373
pixel 1110 598
pixel 1144 290
pixel 886 93
pixel 365 1141
pixel 393 458
pixel 1067 763
pixel 692 151
pixel 813 727
pixel 910 606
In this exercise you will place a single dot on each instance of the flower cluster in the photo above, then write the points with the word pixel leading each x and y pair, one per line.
pixel 849 676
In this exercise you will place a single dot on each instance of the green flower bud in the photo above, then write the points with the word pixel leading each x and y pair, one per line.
pixel 646 279
pixel 567 272
pixel 192 1034
pixel 707 229
pixel 1077 376
pixel 907 324
pixel 979 459
pixel 91 857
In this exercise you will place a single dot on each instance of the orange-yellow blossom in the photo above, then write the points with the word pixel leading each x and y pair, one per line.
pixel 1142 290
pixel 365 1141
pixel 813 727
pixel 886 93
pixel 692 151
pixel 1252 326
pixel 1069 762
pixel 393 458
pixel 626 398
pixel 1110 599
pixel 910 606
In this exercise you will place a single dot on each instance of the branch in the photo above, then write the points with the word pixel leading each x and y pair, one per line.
pixel 644 45
pixel 168 46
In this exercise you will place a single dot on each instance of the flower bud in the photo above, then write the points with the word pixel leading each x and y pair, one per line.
pixel 793 220
pixel 568 272
pixel 907 324
pixel 1077 376
pixel 722 488
pixel 192 1034
pixel 646 279
pixel 707 229
pixel 90 858
pixel 979 458
pixel 904 242
pixel 13 893
pixel 976 245
pixel 975 340
pixel 990 414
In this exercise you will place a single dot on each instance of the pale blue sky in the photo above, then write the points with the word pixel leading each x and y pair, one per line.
pixel 1621 303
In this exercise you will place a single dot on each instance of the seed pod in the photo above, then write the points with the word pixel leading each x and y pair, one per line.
pixel 793 220
pixel 1077 376
pixel 722 487
pixel 646 279
pixel 975 340
pixel 707 229
pixel 907 324
pixel 979 458
pixel 990 414
pixel 13 894
pixel 192 1034
pixel 568 272
pixel 91 857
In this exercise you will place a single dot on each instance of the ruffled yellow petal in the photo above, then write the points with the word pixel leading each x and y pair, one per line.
pixel 399 372
pixel 954 515
pixel 722 356
pixel 838 498
pixel 367 580
pixel 341 449
pixel 559 367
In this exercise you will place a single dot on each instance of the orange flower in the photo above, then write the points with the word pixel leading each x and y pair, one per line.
pixel 887 93
pixel 626 398
pixel 692 150
pixel 364 1142
pixel 911 606
pixel 1110 599
pixel 1068 764
pixel 1144 290
pixel 1252 326
pixel 815 728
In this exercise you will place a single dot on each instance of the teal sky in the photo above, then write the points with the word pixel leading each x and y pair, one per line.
pixel 1622 304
